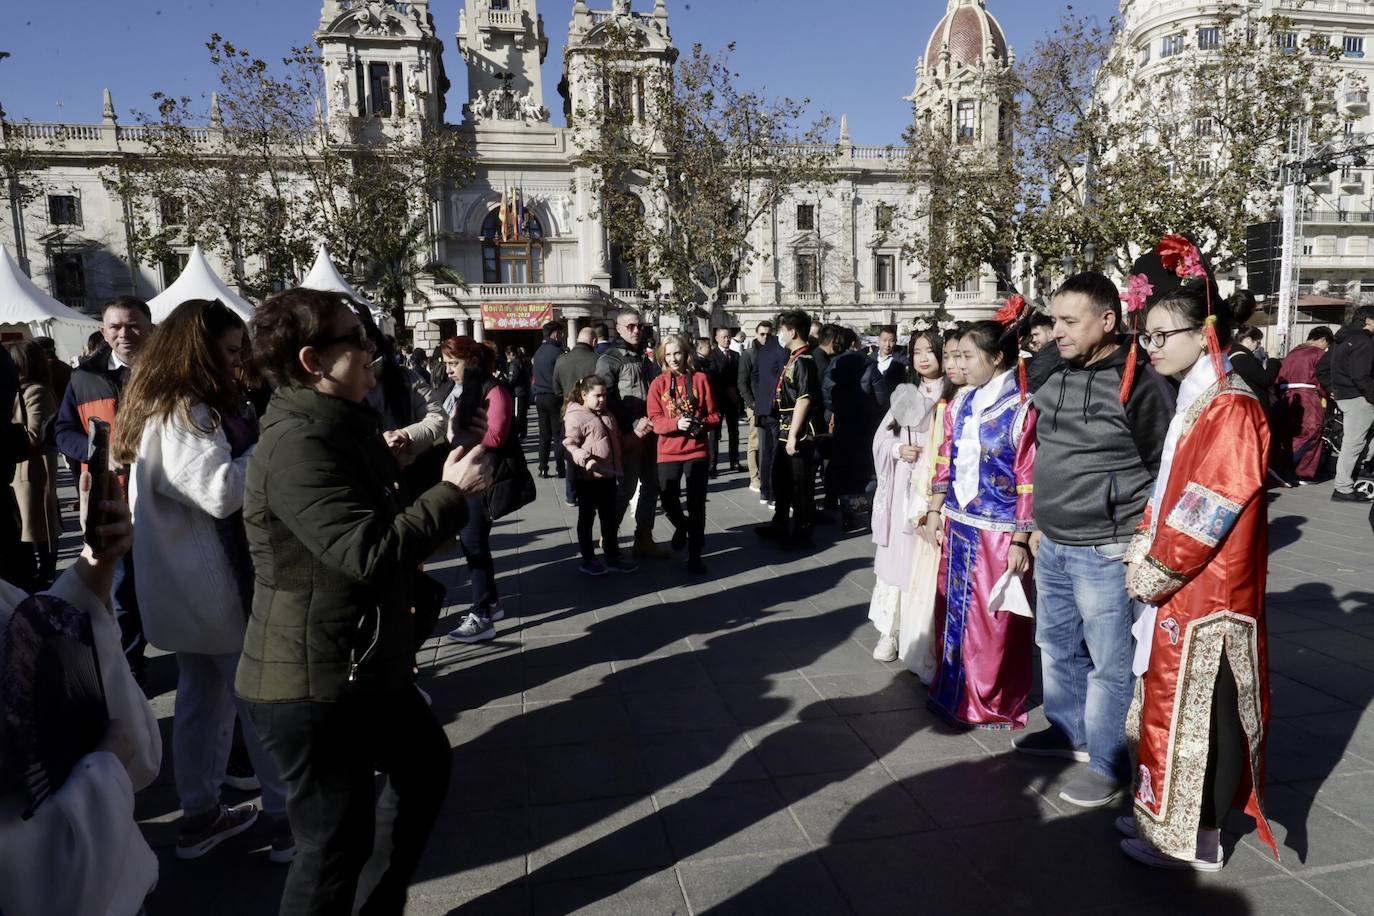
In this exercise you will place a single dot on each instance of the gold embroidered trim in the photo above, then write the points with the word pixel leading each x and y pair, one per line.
pixel 1025 488
pixel 1153 579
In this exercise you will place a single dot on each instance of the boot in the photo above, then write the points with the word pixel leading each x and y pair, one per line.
pixel 645 548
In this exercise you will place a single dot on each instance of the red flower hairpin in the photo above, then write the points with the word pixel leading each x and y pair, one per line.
pixel 1138 293
pixel 1181 256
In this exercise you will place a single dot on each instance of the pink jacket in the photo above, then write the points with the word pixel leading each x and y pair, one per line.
pixel 595 435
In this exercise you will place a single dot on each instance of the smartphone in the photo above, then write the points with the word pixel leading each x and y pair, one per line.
pixel 98 464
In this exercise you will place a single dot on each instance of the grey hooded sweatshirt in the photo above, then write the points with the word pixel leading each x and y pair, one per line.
pixel 1096 458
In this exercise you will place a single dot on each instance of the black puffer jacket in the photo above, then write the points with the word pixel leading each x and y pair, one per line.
pixel 335 553
pixel 1352 364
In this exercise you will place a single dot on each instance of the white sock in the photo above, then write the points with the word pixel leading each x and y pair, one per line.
pixel 1208 844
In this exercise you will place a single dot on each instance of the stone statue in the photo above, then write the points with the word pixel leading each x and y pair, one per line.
pixel 529 111
pixel 565 214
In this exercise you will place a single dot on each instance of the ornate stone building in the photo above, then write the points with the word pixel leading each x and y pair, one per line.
pixel 827 249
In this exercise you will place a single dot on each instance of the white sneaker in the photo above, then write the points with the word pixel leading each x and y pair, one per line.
pixel 886 650
pixel 1146 854
pixel 754 489
pixel 473 629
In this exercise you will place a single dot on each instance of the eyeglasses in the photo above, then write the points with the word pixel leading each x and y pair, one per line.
pixel 1157 338
pixel 357 337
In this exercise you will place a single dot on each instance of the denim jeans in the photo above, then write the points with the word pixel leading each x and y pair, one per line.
pixel 1083 628
pixel 203 729
pixel 475 541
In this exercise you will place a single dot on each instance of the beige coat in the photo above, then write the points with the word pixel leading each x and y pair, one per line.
pixel 35 480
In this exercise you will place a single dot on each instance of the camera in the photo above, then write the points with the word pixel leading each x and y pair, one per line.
pixel 694 430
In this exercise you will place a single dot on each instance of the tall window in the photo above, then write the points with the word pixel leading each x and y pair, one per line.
pixel 400 93
pixel 1288 42
pixel 69 278
pixel 964 126
pixel 806 217
pixel 806 273
pixel 1143 57
pixel 1354 46
pixel 1203 128
pixel 1171 45
pixel 360 88
pixel 1318 45
pixel 513 261
pixel 172 266
pixel 172 210
pixel 64 210
pixel 1209 39
pixel 882 217
pixel 640 91
pixel 379 81
pixel 885 273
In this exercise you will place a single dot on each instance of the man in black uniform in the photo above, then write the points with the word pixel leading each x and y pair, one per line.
pixel 797 405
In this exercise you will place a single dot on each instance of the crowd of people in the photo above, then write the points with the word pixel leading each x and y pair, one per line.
pixel 1086 481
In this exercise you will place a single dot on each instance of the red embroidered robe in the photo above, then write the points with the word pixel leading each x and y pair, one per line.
pixel 1205 570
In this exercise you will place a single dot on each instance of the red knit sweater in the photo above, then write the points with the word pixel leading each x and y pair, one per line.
pixel 665 409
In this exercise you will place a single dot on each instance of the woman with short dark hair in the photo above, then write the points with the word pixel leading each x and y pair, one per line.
pixel 329 657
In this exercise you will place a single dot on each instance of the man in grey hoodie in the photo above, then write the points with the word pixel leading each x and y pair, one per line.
pixel 1099 444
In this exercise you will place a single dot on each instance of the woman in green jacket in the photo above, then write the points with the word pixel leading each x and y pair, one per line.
pixel 328 661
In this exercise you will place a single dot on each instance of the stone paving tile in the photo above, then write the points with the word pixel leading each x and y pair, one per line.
pixel 793 883
pixel 629 739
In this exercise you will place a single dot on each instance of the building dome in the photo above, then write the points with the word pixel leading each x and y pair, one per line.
pixel 967 29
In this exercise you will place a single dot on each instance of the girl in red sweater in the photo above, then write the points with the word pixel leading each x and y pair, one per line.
pixel 683 414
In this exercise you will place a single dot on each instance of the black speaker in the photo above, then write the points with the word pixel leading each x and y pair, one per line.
pixel 1263 257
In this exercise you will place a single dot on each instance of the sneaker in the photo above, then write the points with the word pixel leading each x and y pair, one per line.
pixel 1125 825
pixel 754 488
pixel 592 568
pixel 1348 496
pixel 570 503
pixel 203 832
pixel 473 629
pixel 1146 854
pixel 764 502
pixel 886 650
pixel 238 773
pixel 679 538
pixel 283 847
pixel 1090 789
pixel 622 565
pixel 1049 742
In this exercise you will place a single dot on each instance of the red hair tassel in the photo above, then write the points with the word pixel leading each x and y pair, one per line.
pixel 1021 377
pixel 1128 374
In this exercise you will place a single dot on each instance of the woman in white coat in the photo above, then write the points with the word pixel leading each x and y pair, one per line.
pixel 183 426
pixel 79 851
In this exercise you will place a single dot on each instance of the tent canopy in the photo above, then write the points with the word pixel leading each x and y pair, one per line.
pixel 325 277
pixel 198 281
pixel 26 307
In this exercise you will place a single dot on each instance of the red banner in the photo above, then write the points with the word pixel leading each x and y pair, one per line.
pixel 516 316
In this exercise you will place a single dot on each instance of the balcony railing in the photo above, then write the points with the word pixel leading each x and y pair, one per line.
pixel 627 295
pixel 736 298
pixel 509 292
pixel 884 295
pixel 1338 216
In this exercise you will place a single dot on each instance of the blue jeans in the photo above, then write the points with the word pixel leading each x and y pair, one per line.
pixel 1083 628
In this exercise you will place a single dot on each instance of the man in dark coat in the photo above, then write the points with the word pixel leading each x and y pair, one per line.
pixel 724 375
pixel 767 369
pixel 546 402
pixel 885 371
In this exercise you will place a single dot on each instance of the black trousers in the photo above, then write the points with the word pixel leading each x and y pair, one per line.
pixel 475 541
pixel 327 753
pixel 596 499
pixel 670 474
pixel 794 488
pixel 768 447
pixel 1225 750
pixel 550 430
pixel 522 412
pixel 729 423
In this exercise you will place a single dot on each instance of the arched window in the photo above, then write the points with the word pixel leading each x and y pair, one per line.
pixel 508 259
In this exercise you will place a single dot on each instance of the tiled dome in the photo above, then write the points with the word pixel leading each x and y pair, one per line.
pixel 967 28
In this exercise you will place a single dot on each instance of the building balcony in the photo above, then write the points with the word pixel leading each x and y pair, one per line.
pixel 632 295
pixel 1320 182
pixel 1351 217
pixel 1352 182
pixel 1354 101
pixel 556 293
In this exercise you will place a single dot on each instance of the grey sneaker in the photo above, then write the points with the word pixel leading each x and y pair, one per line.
pixel 473 629
pixel 1090 789
pixel 1049 742
pixel 200 833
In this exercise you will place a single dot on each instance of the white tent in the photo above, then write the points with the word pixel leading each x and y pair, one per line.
pixel 198 281
pixel 26 309
pixel 325 276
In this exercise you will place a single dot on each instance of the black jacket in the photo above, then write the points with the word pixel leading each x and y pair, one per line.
pixel 767 369
pixel 572 367
pixel 879 385
pixel 1352 364
pixel 724 375
pixel 1257 375
pixel 1097 458
pixel 627 374
pixel 545 358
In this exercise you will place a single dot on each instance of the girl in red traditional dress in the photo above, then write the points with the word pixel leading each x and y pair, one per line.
pixel 1201 710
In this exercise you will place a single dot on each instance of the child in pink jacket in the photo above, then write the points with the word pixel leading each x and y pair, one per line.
pixel 595 443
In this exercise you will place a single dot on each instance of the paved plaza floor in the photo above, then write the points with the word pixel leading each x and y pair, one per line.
pixel 659 744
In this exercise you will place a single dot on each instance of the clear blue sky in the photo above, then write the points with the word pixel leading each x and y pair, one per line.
pixel 848 56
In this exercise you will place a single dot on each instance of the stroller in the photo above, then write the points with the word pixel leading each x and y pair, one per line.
pixel 1332 435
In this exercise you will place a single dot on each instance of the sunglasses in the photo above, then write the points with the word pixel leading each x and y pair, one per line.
pixel 357 337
